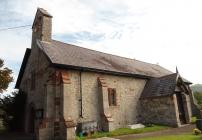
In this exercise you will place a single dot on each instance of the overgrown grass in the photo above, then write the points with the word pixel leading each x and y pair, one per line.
pixel 125 131
pixel 175 137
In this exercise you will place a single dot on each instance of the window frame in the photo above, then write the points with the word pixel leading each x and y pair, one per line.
pixel 112 97
pixel 39 113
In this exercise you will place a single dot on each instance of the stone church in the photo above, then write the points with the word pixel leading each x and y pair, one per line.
pixel 71 89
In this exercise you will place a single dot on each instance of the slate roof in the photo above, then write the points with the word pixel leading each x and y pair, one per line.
pixel 162 86
pixel 62 54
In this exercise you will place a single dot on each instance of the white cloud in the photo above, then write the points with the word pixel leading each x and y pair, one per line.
pixel 157 31
pixel 12 45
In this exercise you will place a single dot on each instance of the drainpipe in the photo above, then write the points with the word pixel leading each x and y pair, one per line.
pixel 81 107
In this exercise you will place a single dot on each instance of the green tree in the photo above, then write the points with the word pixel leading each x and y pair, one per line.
pixel 5 76
pixel 198 97
pixel 13 107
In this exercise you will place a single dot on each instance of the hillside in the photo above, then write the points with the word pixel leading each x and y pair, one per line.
pixel 196 88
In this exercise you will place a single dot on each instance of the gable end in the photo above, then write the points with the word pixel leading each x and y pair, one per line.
pixel 23 66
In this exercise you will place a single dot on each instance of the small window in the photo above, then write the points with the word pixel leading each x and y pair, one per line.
pixel 112 96
pixel 32 81
pixel 39 113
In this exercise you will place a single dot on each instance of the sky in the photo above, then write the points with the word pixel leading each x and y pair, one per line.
pixel 164 32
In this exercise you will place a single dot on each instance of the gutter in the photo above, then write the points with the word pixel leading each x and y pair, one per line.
pixel 62 66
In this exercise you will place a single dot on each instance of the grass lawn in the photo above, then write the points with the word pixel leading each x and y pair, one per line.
pixel 176 137
pixel 125 131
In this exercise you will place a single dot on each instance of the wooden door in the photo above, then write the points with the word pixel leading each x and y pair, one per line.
pixel 181 109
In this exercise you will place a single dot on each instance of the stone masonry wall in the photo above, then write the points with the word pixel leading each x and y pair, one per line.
pixel 128 91
pixel 36 97
pixel 160 110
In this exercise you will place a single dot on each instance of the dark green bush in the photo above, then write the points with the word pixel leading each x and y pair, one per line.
pixel 198 97
pixel 12 108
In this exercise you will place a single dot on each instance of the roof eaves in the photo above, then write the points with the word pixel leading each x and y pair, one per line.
pixel 62 66
pixel 186 81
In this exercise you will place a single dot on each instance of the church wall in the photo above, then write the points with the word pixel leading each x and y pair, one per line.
pixel 80 99
pixel 128 91
pixel 160 110
pixel 37 64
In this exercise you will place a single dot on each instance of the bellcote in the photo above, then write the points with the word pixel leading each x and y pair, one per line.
pixel 42 26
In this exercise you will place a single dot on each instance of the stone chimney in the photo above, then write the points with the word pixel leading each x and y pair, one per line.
pixel 42 26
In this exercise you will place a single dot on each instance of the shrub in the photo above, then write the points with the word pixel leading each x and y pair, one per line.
pixel 13 111
pixel 198 97
pixel 196 131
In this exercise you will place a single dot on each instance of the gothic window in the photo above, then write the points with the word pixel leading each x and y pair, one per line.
pixel 112 97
